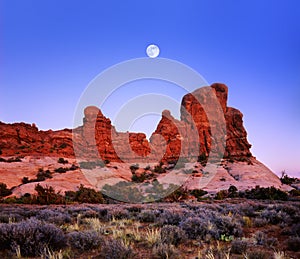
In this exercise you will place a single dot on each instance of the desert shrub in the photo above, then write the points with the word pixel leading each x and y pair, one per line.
pixel 228 227
pixel 210 224
pixel 84 241
pixel 52 216
pixel 25 180
pixel 198 193
pixel 165 251
pixel 4 191
pixel 293 244
pixel 171 217
pixel 62 161
pixel 259 222
pixel 172 235
pixel 247 209
pixel 26 198
pixel 285 179
pixel 47 195
pixel 85 195
pixel 232 192
pixel 138 178
pixel 112 249
pixel 269 193
pixel 159 168
pixel 179 194
pixel 238 247
pixel 147 168
pixel 32 236
pixel 294 193
pixel 61 170
pixel 221 195
pixel 291 210
pixel 118 213
pixel 42 175
pixel 134 167
pixel 101 213
pixel 275 217
pixel 148 215
pixel 194 228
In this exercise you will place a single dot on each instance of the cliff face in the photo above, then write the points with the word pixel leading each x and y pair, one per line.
pixel 191 136
pixel 21 139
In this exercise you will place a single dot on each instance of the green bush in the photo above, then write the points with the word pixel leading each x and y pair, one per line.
pixel 4 191
pixel 61 170
pixel 221 195
pixel 285 179
pixel 85 195
pixel 47 195
pixel 62 161
pixel 177 195
pixel 269 193
pixel 198 193
pixel 134 167
pixel 138 178
pixel 159 168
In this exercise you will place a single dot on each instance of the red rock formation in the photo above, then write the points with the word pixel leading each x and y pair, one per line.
pixel 25 139
pixel 188 137
pixel 193 112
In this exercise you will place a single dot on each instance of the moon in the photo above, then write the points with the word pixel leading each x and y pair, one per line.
pixel 152 51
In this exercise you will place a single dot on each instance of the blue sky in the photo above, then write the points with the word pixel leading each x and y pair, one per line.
pixel 51 50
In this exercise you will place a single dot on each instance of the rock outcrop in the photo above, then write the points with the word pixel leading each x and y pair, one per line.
pixel 189 137
pixel 207 128
pixel 21 139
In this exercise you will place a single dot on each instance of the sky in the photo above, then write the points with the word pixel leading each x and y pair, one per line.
pixel 51 50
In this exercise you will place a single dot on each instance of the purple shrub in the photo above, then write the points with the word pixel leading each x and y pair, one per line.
pixel 112 249
pixel 172 235
pixel 171 217
pixel 194 228
pixel 148 215
pixel 32 236
pixel 53 216
pixel 84 241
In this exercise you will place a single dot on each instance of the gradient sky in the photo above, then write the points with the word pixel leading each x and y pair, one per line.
pixel 50 50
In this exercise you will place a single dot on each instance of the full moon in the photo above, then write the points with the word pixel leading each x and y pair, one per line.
pixel 152 51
